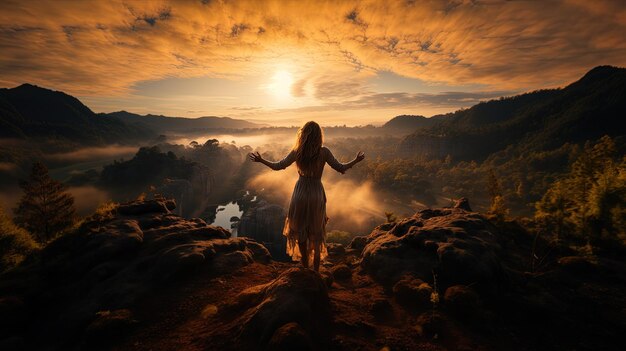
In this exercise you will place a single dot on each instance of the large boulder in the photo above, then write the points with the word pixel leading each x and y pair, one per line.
pixel 297 296
pixel 450 245
pixel 413 293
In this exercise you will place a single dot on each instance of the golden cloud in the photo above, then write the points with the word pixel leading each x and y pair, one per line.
pixel 93 48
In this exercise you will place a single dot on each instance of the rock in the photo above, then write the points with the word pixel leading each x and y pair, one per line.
pixel 335 249
pixel 290 337
pixel 327 276
pixel 358 243
pixel 259 252
pixel 140 207
pixel 431 324
pixel 459 246
pixel 232 261
pixel 462 203
pixel 181 191
pixel 381 309
pixel 341 272
pixel 576 265
pixel 108 327
pixel 462 302
pixel 298 295
pixel 264 223
pixel 413 293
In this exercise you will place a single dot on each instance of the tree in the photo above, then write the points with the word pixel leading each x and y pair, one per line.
pixel 606 203
pixel 45 209
pixel 498 206
pixel 553 209
pixel 594 161
pixel 590 198
pixel 390 217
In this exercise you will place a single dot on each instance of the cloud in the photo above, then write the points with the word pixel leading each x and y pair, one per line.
pixel 104 48
pixel 406 100
pixel 246 108
pixel 328 88
pixel 89 153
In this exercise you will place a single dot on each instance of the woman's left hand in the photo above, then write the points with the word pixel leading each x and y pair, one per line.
pixel 360 156
pixel 255 157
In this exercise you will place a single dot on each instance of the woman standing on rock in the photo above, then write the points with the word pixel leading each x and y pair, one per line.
pixel 305 226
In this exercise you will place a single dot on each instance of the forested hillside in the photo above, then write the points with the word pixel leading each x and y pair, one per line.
pixel 542 120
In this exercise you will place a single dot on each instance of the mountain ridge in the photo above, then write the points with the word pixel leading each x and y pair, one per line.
pixel 403 122
pixel 584 110
pixel 30 111
pixel 164 124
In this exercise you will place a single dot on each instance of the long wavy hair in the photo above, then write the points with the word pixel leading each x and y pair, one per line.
pixel 308 146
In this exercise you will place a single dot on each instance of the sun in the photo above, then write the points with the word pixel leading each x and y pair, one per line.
pixel 281 84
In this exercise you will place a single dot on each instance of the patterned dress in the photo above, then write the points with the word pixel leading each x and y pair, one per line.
pixel 306 220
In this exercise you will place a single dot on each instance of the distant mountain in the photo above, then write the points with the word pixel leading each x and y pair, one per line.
pixel 35 112
pixel 163 124
pixel 587 109
pixel 412 122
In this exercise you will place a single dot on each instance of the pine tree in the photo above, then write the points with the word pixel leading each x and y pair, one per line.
pixel 589 200
pixel 45 209
pixel 493 185
pixel 553 209
pixel 594 162
pixel 498 206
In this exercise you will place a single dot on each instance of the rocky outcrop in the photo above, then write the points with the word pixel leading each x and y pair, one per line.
pixel 451 245
pixel 85 285
pixel 141 278
pixel 264 223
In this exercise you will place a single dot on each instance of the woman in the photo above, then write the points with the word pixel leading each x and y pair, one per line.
pixel 305 226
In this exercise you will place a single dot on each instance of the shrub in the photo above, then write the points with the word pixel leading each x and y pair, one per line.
pixel 15 243
pixel 339 236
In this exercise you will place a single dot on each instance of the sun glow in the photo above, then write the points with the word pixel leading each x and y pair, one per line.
pixel 281 84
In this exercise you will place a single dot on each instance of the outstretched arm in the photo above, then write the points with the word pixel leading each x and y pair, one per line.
pixel 343 167
pixel 282 164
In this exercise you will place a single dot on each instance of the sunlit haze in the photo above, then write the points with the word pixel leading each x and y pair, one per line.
pixel 281 84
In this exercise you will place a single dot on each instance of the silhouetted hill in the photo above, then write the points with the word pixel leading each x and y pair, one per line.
pixel 164 124
pixel 412 122
pixel 585 110
pixel 32 111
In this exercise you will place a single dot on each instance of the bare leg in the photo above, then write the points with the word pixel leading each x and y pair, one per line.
pixel 316 259
pixel 304 251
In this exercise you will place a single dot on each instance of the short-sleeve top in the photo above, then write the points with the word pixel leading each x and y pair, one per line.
pixel 326 156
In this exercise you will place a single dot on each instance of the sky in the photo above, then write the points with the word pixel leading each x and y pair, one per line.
pixel 285 62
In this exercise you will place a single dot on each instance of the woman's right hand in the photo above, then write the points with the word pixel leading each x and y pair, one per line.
pixel 255 157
